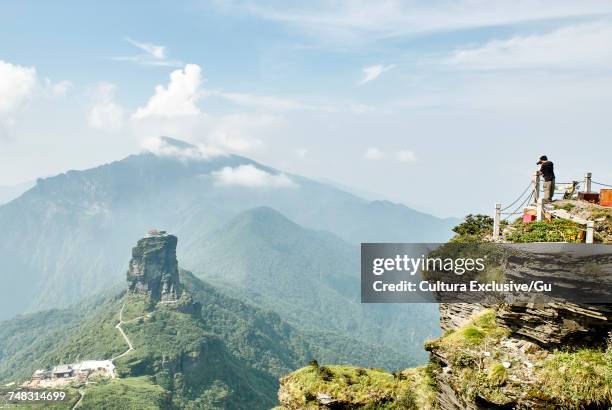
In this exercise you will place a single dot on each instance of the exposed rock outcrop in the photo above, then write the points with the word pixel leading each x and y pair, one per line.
pixel 507 356
pixel 453 315
pixel 534 355
pixel 153 269
pixel 513 351
pixel 558 324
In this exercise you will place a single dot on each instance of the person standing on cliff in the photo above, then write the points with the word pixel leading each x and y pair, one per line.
pixel 548 173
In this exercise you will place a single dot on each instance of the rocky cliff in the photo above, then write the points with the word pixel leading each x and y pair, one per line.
pixel 153 269
pixel 555 355
pixel 531 355
pixel 501 357
pixel 523 356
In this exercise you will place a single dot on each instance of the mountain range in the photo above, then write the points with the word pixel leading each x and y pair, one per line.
pixel 65 238
pixel 192 348
pixel 282 243
pixel 10 192
pixel 310 277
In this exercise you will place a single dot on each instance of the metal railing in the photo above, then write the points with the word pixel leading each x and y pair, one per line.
pixel 531 197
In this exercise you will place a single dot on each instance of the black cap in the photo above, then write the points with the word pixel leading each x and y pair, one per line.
pixel 542 158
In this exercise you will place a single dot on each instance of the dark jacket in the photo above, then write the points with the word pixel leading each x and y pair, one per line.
pixel 548 171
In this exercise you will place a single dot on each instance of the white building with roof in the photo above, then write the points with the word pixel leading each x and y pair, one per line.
pixel 86 367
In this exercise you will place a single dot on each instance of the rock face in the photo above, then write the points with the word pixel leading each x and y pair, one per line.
pixel 534 353
pixel 453 315
pixel 153 269
pixel 529 333
pixel 558 324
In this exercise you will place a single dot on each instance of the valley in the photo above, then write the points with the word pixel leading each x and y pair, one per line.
pixel 173 336
pixel 290 251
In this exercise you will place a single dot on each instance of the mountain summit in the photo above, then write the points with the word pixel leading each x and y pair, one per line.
pixel 154 268
pixel 173 142
pixel 50 246
pixel 204 350
pixel 304 274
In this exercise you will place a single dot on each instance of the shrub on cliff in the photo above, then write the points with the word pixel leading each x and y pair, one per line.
pixel 474 225
pixel 475 228
pixel 557 230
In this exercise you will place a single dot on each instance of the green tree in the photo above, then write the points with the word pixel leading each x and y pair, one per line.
pixel 475 225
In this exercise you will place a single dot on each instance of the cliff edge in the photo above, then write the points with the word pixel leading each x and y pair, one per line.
pixel 153 269
pixel 491 356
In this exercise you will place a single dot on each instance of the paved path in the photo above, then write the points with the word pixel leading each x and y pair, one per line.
pixel 127 340
pixel 78 403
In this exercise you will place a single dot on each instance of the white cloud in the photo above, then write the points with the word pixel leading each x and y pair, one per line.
pixel 266 102
pixel 235 142
pixel 154 55
pixel 577 46
pixel 373 72
pixel 105 113
pixel 179 98
pixel 236 133
pixel 406 155
pixel 17 83
pixel 239 132
pixel 301 153
pixel 374 154
pixel 251 177
pixel 153 50
pixel 353 21
pixel 59 89
pixel 357 108
pixel 272 103
pixel 161 146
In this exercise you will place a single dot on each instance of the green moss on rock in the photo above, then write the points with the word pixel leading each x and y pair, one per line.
pixel 483 361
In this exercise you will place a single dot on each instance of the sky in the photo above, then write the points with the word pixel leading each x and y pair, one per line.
pixel 442 105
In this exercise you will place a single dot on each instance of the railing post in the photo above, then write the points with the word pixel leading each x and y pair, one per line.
pixel 535 186
pixel 589 231
pixel 496 221
pixel 540 209
pixel 587 182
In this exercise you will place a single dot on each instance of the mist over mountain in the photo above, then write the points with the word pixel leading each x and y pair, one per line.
pixel 311 278
pixel 190 346
pixel 66 237
pixel 10 192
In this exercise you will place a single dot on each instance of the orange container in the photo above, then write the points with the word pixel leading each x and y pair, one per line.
pixel 605 197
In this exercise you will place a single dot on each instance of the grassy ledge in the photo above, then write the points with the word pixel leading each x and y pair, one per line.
pixel 358 388
pixel 484 362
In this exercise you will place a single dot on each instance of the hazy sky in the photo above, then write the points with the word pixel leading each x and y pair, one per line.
pixel 443 105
